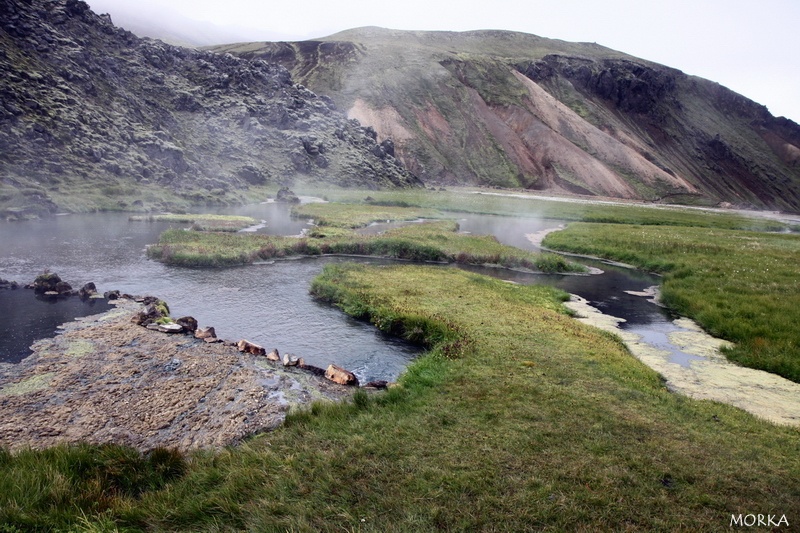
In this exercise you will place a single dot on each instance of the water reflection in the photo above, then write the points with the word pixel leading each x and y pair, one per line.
pixel 269 303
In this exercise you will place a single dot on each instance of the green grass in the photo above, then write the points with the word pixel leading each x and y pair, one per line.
pixel 431 241
pixel 739 285
pixel 518 419
pixel 358 215
pixel 44 490
pixel 201 222
pixel 484 201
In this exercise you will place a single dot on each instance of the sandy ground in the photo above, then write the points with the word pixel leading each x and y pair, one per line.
pixel 105 379
pixel 709 377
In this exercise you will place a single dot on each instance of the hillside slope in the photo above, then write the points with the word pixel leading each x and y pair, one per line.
pixel 517 110
pixel 93 117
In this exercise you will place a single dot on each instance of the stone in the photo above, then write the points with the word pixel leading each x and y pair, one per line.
pixel 251 348
pixel 205 333
pixel 88 290
pixel 274 355
pixel 170 327
pixel 341 376
pixel 290 360
pixel 188 323
pixel 377 384
pixel 317 371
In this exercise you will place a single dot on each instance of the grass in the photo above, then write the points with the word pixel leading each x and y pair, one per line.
pixel 486 201
pixel 739 285
pixel 432 241
pixel 518 419
pixel 352 216
pixel 201 222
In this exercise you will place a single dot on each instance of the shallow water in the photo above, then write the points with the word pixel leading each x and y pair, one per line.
pixel 269 304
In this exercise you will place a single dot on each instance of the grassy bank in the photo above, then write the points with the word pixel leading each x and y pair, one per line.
pixel 359 215
pixel 486 201
pixel 739 285
pixel 201 222
pixel 519 419
pixel 433 241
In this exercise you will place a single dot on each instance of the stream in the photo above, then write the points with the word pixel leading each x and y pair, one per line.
pixel 269 303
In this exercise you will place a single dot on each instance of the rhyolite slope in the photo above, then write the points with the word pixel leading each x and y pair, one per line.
pixel 516 110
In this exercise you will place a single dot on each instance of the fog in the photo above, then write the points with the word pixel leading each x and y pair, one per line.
pixel 750 47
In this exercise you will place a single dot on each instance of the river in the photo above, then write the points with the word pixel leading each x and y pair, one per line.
pixel 267 304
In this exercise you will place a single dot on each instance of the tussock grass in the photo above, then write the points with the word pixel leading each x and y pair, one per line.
pixel 537 423
pixel 739 285
pixel 201 222
pixel 433 241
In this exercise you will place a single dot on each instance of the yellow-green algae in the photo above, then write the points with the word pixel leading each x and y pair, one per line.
pixel 713 377
pixel 31 384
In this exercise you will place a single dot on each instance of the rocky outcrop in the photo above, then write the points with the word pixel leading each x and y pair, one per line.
pixel 515 110
pixel 86 104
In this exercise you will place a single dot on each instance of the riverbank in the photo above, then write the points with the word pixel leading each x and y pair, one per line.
pixel 104 379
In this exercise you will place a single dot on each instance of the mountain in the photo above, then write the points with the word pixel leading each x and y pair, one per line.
pixel 516 110
pixel 93 117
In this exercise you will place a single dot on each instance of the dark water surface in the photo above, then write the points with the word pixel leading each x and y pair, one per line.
pixel 267 304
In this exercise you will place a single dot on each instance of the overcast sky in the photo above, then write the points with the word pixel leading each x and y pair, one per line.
pixel 750 46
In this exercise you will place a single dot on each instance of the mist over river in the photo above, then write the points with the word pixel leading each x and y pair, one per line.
pixel 267 304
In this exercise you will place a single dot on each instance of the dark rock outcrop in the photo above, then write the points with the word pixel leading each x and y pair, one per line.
pixel 83 102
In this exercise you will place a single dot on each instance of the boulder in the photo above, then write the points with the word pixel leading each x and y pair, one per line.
pixel 290 360
pixel 112 295
pixel 188 323
pixel 170 327
pixel 274 355
pixel 341 376
pixel 5 284
pixel 378 384
pixel 249 347
pixel 205 333
pixel 317 371
pixel 150 314
pixel 45 282
pixel 87 291
pixel 286 195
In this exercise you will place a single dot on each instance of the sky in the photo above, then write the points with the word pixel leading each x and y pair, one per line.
pixel 749 46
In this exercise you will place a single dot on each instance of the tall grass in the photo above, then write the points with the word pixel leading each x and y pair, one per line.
pixel 739 285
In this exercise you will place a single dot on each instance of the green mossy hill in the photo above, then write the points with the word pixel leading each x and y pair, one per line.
pixel 520 418
pixel 509 109
pixel 738 285
pixel 95 118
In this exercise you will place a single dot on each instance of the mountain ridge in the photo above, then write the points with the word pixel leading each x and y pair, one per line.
pixel 93 117
pixel 510 109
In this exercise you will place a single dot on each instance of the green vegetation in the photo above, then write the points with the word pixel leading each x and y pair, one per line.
pixel 739 285
pixel 47 490
pixel 201 222
pixel 431 241
pixel 519 418
pixel 352 216
pixel 485 201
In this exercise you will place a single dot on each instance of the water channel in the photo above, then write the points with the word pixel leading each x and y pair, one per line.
pixel 268 304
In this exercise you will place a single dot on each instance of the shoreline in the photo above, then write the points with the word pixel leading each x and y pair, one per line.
pixel 104 379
